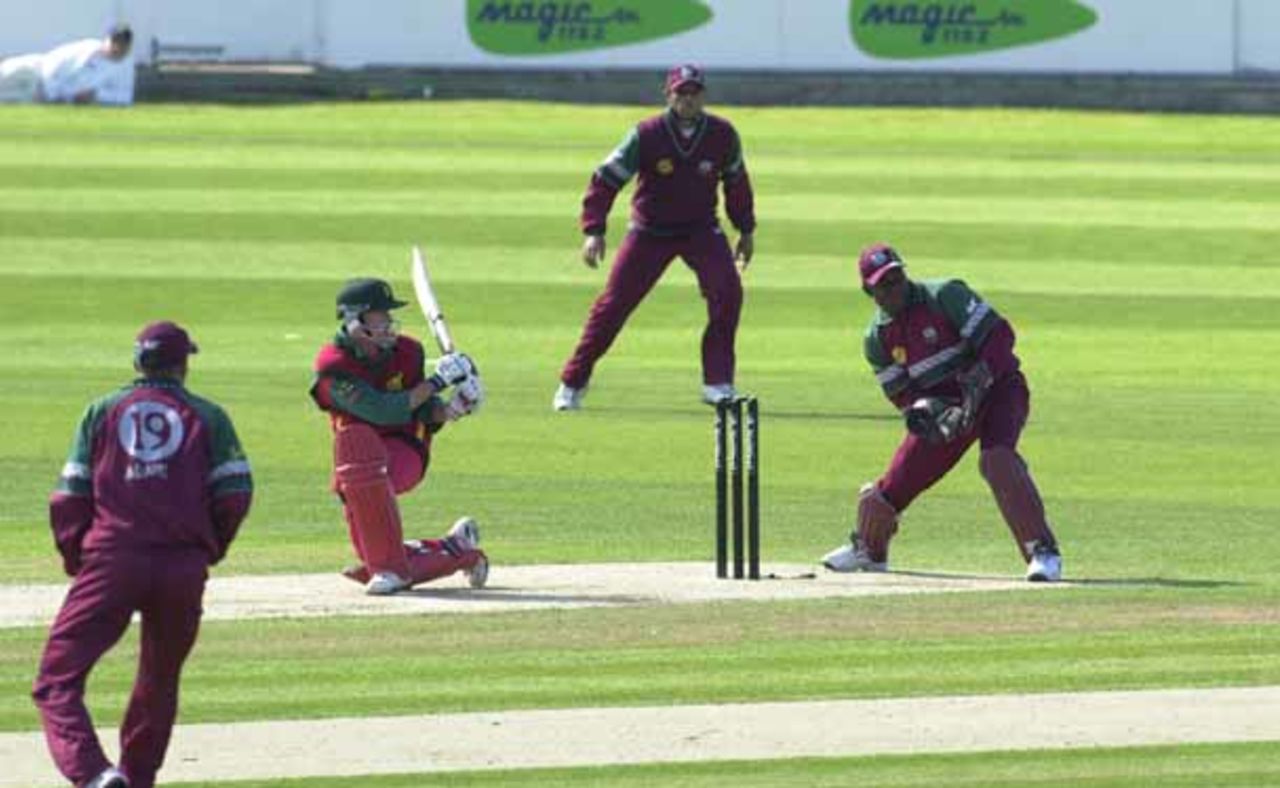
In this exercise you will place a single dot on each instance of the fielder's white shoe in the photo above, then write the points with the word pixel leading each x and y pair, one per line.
pixel 1045 565
pixel 851 558
pixel 110 778
pixel 384 583
pixel 568 398
pixel 718 392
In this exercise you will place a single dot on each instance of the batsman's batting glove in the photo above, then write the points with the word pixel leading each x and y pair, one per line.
pixel 466 400
pixel 451 369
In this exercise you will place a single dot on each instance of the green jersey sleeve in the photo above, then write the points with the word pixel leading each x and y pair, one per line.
pixel 76 477
pixel 229 470
pixel 621 165
pixel 972 317
pixel 891 376
pixel 384 408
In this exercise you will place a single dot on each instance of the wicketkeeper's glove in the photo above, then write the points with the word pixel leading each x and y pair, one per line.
pixel 934 419
pixel 974 384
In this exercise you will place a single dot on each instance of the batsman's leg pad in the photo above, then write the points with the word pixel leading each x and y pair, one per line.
pixel 360 469
pixel 430 559
pixel 1016 495
pixel 877 523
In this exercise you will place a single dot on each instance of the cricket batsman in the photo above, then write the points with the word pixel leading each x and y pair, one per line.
pixel 679 158
pixel 385 412
pixel 944 358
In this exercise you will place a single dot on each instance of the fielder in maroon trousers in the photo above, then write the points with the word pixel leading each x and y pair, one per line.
pixel 944 357
pixel 152 493
pixel 679 159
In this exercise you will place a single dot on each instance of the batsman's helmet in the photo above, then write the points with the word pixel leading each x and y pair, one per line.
pixel 358 296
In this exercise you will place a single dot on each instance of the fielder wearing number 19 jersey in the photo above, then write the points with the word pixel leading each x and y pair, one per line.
pixel 944 357
pixel 153 492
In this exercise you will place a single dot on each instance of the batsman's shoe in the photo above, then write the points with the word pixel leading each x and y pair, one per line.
pixel 715 393
pixel 478 574
pixel 384 583
pixel 852 558
pixel 1045 565
pixel 356 573
pixel 568 398
pixel 110 778
pixel 466 533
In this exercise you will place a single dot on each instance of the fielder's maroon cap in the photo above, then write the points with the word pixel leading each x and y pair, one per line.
pixel 686 74
pixel 877 260
pixel 162 344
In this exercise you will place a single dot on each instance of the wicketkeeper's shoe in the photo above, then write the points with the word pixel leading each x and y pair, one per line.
pixel 715 393
pixel 568 398
pixel 852 558
pixel 384 583
pixel 109 778
pixel 1045 565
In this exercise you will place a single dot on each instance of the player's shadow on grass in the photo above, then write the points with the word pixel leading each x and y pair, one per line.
pixel 500 594
pixel 1092 582
pixel 1155 582
pixel 707 410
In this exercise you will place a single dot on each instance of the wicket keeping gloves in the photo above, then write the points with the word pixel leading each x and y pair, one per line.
pixel 974 383
pixel 452 369
pixel 934 419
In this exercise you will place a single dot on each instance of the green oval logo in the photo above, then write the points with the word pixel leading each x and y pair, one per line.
pixel 907 31
pixel 549 28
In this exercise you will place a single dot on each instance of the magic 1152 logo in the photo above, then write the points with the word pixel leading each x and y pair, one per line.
pixel 915 30
pixel 528 27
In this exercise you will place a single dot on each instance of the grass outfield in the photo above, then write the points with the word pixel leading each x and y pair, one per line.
pixel 1220 766
pixel 1136 256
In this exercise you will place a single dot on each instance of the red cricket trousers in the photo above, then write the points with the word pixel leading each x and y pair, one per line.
pixel 639 264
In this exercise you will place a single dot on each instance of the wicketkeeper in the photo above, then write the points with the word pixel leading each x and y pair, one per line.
pixel 385 411
pixel 945 359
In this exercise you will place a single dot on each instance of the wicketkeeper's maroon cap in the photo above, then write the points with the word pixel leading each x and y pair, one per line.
pixel 685 74
pixel 877 260
pixel 162 344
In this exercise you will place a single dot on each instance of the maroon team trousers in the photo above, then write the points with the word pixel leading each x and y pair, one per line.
pixel 640 263
pixel 166 586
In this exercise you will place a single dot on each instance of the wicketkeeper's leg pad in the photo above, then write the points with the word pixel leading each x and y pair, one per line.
pixel 369 503
pixel 877 522
pixel 1017 496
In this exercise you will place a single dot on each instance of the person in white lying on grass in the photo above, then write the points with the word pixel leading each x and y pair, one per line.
pixel 88 71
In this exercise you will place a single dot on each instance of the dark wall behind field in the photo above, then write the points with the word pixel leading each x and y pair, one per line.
pixel 231 82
